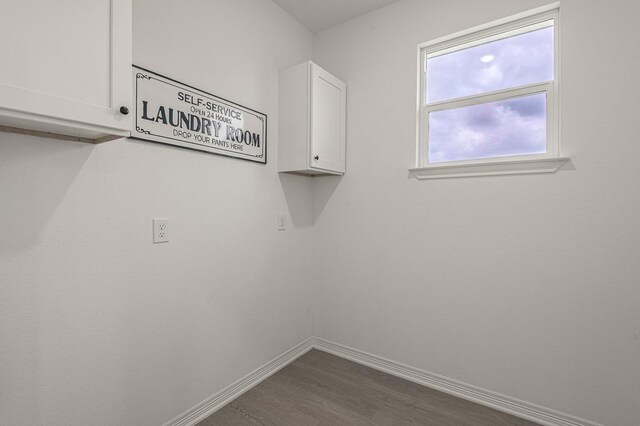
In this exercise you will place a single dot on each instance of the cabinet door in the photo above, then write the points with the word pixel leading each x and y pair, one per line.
pixel 66 62
pixel 328 121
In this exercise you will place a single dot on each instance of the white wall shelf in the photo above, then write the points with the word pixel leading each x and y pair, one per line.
pixel 512 167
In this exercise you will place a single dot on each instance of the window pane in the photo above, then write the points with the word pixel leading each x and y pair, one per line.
pixel 496 129
pixel 510 62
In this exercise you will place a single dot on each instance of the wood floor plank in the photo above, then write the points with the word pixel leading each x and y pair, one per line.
pixel 320 389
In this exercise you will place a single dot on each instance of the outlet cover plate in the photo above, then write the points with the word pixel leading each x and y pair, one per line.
pixel 282 222
pixel 160 230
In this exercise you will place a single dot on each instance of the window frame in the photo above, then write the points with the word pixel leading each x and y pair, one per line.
pixel 496 30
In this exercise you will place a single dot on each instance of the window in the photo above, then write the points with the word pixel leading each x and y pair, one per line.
pixel 488 100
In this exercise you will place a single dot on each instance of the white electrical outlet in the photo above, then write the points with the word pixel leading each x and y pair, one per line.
pixel 160 231
pixel 282 222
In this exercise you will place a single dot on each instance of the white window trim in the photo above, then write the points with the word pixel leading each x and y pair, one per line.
pixel 549 162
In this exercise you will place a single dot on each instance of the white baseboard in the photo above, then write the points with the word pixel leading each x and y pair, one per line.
pixel 516 407
pixel 209 406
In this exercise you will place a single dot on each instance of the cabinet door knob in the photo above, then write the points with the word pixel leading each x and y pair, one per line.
pixel 317 157
pixel 124 110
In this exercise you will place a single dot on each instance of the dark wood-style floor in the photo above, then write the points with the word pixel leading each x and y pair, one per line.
pixel 319 389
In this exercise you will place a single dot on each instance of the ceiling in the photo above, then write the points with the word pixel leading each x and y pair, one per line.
pixel 318 15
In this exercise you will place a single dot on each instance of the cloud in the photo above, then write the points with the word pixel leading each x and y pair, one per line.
pixel 504 128
pixel 511 127
pixel 523 59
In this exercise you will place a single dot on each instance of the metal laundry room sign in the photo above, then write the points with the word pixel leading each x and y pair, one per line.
pixel 170 112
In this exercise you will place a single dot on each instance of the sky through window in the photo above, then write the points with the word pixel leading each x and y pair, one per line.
pixel 515 126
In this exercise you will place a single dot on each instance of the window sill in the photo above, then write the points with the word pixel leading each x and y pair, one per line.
pixel 511 167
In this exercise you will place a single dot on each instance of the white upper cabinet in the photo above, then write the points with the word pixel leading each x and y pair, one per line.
pixel 312 121
pixel 66 67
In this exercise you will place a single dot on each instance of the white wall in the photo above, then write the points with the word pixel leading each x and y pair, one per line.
pixel 524 285
pixel 97 324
